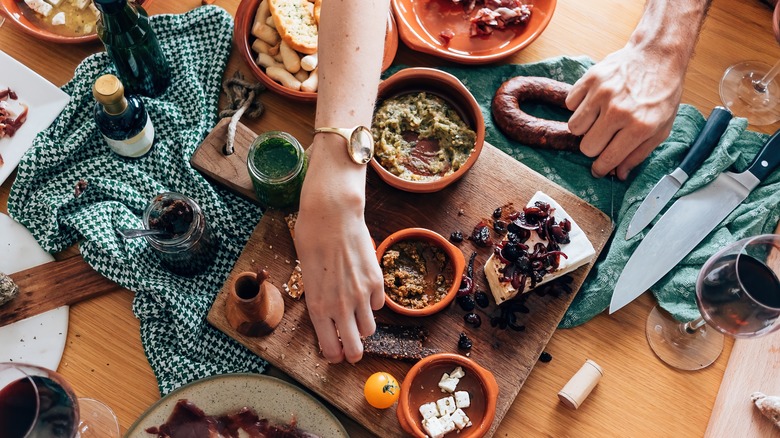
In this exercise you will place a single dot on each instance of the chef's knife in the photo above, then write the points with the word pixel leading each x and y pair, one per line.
pixel 687 222
pixel 669 185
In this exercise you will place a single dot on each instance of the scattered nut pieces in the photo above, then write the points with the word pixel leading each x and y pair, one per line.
pixel 768 405
pixel 8 289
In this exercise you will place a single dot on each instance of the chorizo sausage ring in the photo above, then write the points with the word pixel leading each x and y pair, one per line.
pixel 525 128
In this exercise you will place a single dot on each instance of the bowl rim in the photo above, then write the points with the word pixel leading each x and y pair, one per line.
pixel 474 110
pixel 405 413
pixel 430 236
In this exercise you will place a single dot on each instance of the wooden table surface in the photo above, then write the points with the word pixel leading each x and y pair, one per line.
pixel 638 396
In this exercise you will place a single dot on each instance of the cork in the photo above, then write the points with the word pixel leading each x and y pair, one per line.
pixel 581 384
pixel 108 90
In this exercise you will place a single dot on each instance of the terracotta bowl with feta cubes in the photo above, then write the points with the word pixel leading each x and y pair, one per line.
pixel 56 21
pixel 447 395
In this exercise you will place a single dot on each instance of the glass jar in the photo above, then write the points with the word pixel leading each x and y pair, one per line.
pixel 277 166
pixel 189 247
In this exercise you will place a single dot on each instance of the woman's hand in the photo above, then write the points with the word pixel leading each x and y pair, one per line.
pixel 341 275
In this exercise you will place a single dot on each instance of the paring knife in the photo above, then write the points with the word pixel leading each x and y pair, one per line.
pixel 687 222
pixel 665 189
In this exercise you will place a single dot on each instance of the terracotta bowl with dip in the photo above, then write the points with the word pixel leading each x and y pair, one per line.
pixel 243 38
pixel 413 158
pixel 432 247
pixel 420 386
pixel 32 23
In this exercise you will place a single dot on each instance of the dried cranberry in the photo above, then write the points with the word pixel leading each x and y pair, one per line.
pixel 456 236
pixel 464 342
pixel 481 235
pixel 466 302
pixel 497 213
pixel 473 319
pixel 482 299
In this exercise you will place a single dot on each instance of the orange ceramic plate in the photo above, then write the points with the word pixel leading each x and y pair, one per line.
pixel 420 22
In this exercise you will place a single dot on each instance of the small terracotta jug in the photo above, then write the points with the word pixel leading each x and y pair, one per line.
pixel 255 306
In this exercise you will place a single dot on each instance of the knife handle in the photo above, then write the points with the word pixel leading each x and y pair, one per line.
pixel 767 159
pixel 706 140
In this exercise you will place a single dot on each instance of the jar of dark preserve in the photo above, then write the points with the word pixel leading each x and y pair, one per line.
pixel 189 246
pixel 277 165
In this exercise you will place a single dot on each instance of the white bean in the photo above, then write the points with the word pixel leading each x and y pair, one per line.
pixel 309 62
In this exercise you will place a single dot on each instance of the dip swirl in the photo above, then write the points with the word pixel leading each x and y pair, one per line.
pixel 420 137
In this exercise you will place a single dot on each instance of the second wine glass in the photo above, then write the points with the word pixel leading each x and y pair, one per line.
pixel 738 294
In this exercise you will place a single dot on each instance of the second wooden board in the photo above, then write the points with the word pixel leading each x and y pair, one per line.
pixel 495 180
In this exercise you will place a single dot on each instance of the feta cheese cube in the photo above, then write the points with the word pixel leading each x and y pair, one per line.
pixel 39 6
pixel 434 427
pixel 448 385
pixel 460 419
pixel 429 410
pixel 446 405
pixel 447 423
pixel 457 373
pixel 58 19
pixel 462 399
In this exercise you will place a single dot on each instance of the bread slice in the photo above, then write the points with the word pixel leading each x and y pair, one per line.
pixel 294 20
pixel 317 8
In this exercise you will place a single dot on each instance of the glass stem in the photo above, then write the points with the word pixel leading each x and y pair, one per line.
pixel 691 327
pixel 761 84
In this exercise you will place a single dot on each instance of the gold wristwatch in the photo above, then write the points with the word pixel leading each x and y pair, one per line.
pixel 360 142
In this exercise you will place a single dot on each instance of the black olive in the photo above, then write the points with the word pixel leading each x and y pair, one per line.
pixel 466 302
pixel 456 236
pixel 481 298
pixel 473 319
pixel 512 227
pixel 464 342
pixel 497 213
pixel 545 357
pixel 481 235
pixel 511 252
pixel 522 263
pixel 499 227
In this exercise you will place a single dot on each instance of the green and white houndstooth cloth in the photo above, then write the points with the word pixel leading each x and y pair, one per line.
pixel 180 344
pixel 758 214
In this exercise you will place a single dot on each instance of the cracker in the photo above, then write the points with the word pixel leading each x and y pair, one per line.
pixel 398 342
pixel 295 23
pixel 294 286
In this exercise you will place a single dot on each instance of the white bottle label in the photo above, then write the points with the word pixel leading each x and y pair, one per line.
pixel 136 145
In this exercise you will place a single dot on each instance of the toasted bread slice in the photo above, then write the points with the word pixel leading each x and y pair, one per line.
pixel 295 22
pixel 317 7
pixel 398 342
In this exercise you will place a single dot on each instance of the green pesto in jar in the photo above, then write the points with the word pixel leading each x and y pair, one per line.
pixel 277 166
pixel 420 137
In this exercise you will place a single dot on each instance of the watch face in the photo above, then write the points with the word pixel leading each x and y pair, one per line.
pixel 361 145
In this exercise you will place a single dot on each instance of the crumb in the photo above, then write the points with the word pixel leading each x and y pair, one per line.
pixel 81 186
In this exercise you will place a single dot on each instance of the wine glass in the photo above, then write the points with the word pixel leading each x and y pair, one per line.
pixel 738 294
pixel 38 403
pixel 748 88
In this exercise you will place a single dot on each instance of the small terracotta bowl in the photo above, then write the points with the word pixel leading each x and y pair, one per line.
pixel 433 238
pixel 13 10
pixel 452 90
pixel 420 386
pixel 245 15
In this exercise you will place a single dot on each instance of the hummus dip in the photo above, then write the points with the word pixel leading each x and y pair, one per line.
pixel 420 137
pixel 416 273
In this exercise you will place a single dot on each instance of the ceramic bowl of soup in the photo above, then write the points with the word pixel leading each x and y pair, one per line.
pixel 421 387
pixel 79 22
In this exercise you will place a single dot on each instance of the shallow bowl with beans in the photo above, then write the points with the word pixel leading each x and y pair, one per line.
pixel 244 40
pixel 410 288
pixel 413 176
pixel 421 386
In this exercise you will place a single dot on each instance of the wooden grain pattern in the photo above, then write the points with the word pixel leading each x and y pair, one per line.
pixel 638 397
pixel 51 285
pixel 495 179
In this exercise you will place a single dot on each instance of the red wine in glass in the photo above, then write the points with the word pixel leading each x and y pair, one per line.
pixel 37 406
pixel 740 296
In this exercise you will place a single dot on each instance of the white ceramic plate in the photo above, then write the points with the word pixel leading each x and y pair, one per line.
pixel 40 339
pixel 270 397
pixel 45 102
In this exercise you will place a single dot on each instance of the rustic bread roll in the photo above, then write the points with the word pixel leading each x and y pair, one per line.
pixel 295 23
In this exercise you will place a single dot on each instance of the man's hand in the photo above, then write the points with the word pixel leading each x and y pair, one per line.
pixel 624 106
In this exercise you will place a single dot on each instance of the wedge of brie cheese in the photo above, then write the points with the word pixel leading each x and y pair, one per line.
pixel 579 252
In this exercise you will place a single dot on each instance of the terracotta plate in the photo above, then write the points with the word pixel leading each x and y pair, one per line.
pixel 421 22
pixel 272 398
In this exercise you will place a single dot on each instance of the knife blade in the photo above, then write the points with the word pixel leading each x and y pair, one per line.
pixel 687 222
pixel 665 189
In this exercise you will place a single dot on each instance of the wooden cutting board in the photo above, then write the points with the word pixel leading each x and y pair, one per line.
pixel 494 180
pixel 52 285
pixel 754 365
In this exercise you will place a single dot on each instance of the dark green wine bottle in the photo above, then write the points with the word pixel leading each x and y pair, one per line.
pixel 133 47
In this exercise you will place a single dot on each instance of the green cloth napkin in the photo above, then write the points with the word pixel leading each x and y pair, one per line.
pixel 758 214
pixel 180 344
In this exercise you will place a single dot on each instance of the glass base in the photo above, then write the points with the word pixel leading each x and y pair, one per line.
pixel 738 93
pixel 96 420
pixel 678 348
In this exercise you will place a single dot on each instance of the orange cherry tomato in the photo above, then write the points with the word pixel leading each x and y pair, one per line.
pixel 381 390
